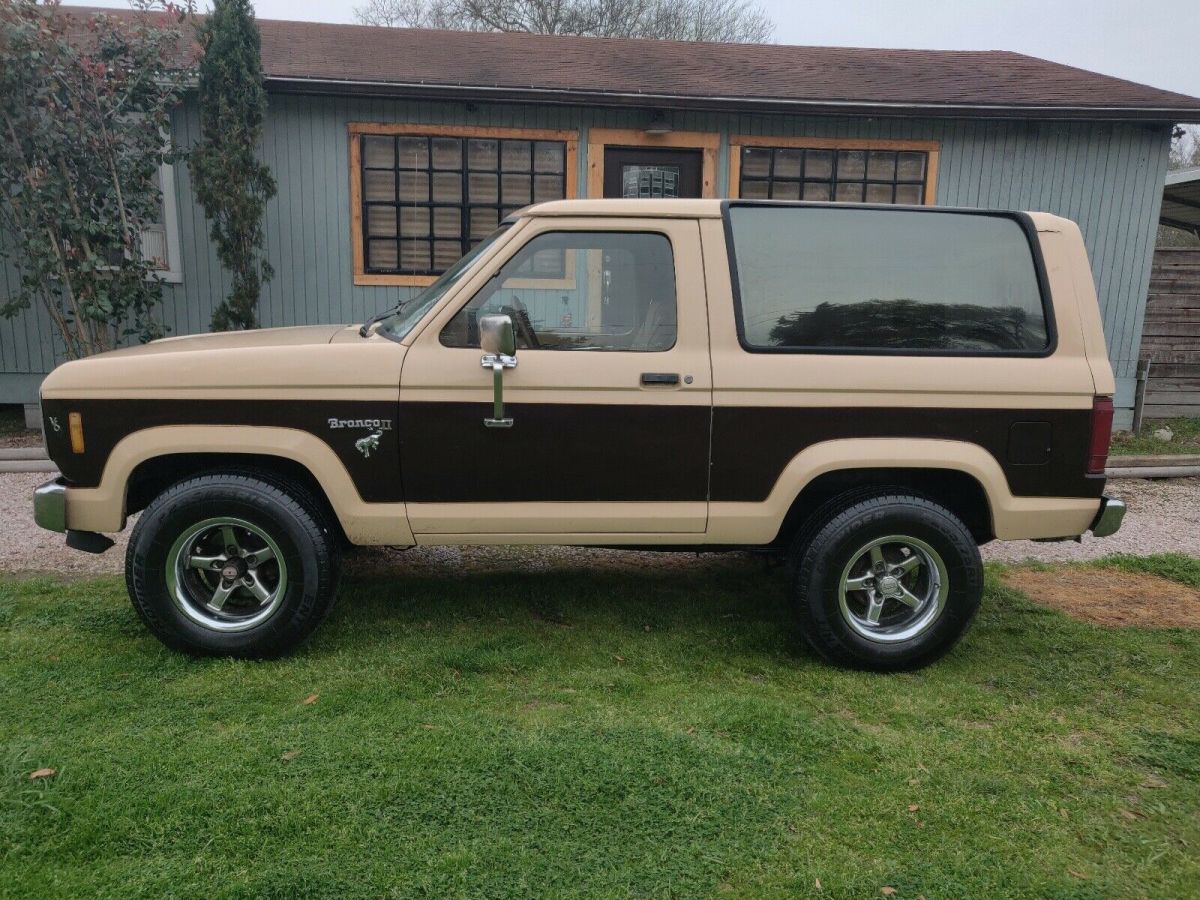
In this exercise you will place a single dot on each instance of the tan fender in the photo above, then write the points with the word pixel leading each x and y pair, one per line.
pixel 103 508
pixel 1012 517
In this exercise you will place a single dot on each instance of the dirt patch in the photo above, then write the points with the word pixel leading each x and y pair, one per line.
pixel 1110 597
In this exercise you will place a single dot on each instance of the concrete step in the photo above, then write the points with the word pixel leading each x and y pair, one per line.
pixel 1156 461
pixel 26 465
pixel 7 453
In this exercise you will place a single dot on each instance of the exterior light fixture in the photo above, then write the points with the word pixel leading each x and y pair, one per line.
pixel 658 123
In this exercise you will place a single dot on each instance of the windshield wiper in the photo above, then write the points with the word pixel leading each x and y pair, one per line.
pixel 365 328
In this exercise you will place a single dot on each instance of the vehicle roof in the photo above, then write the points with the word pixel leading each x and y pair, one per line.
pixel 710 209
pixel 690 209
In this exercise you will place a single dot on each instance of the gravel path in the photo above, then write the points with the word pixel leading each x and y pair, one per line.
pixel 1163 516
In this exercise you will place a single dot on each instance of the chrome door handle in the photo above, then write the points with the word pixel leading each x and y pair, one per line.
pixel 650 378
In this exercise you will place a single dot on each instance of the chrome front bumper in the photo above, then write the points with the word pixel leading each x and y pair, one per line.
pixel 1108 520
pixel 50 505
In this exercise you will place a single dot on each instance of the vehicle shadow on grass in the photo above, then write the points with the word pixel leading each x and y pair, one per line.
pixel 733 602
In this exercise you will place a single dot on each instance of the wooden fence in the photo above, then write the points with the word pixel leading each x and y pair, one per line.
pixel 1171 337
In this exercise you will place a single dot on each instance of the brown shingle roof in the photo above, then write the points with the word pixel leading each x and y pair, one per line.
pixel 352 58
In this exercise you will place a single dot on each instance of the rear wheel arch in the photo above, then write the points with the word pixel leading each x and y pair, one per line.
pixel 827 494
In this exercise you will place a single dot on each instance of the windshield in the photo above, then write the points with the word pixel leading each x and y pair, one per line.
pixel 400 323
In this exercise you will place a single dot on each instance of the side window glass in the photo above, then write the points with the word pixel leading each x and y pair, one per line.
pixel 576 290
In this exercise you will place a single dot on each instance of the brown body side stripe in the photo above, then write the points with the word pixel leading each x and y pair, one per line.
pixel 441 452
pixel 107 422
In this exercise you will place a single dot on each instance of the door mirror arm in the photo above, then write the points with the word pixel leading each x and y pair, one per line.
pixel 498 341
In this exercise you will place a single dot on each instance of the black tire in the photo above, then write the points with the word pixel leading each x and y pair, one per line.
pixel 286 515
pixel 946 555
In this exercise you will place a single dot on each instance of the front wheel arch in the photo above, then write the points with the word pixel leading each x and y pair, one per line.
pixel 154 475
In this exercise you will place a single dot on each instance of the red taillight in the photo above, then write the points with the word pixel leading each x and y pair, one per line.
pixel 1102 419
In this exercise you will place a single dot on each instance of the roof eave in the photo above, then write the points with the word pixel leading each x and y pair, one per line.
pixel 322 85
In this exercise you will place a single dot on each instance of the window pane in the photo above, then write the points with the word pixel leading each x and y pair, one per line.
pixel 381 254
pixel 756 190
pixel 851 164
pixel 483 188
pixel 881 165
pixel 447 221
pixel 548 156
pixel 630 307
pixel 381 221
pixel 481 154
pixel 414 187
pixel 786 190
pixel 547 187
pixel 379 152
pixel 413 152
pixel 788 162
pixel 446 254
pixel 879 193
pixel 515 189
pixel 414 256
pixel 483 221
pixel 414 221
pixel 447 153
pixel 817 190
pixel 911 167
pixel 885 279
pixel 447 187
pixel 818 164
pixel 849 193
pixel 756 162
pixel 912 194
pixel 379 185
pixel 515 156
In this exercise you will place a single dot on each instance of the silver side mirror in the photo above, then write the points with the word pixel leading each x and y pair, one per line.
pixel 497 336
pixel 498 341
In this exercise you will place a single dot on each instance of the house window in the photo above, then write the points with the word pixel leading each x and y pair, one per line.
pixel 160 239
pixel 426 197
pixel 842 174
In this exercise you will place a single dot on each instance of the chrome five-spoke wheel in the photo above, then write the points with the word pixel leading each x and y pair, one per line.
pixel 226 574
pixel 893 589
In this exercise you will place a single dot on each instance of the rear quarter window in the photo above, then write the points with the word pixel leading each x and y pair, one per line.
pixel 828 279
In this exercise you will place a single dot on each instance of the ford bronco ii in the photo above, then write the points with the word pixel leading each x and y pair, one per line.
pixel 868 392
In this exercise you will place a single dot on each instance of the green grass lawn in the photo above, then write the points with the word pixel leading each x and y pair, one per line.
pixel 1186 438
pixel 599 734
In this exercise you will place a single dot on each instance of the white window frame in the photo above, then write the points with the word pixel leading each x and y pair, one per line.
pixel 173 274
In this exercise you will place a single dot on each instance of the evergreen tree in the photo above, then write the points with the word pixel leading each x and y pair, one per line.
pixel 230 182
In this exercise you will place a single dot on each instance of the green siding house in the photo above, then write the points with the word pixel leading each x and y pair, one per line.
pixel 395 150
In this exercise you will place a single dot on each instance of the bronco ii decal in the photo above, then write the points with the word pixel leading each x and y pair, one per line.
pixel 373 424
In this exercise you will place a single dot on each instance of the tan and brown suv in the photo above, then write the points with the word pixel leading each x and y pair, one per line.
pixel 871 392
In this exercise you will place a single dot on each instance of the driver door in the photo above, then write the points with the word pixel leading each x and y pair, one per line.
pixel 610 399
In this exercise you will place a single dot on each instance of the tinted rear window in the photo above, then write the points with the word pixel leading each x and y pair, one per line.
pixel 893 280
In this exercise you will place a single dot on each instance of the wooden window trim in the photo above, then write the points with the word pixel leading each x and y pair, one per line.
pixel 358 129
pixel 737 142
pixel 600 138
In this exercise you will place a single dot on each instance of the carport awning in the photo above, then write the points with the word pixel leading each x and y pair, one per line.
pixel 1181 200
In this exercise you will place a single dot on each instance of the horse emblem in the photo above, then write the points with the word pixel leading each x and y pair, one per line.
pixel 365 445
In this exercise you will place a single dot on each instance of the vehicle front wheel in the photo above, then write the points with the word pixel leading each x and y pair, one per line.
pixel 231 565
pixel 889 583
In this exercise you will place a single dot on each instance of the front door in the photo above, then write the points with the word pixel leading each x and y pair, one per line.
pixel 610 400
pixel 652 172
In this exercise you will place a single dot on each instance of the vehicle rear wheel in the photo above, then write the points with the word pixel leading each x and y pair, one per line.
pixel 889 583
pixel 231 565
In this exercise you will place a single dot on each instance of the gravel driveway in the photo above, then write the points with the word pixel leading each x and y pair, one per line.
pixel 1163 516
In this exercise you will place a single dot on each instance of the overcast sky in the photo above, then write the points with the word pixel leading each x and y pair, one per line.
pixel 1151 41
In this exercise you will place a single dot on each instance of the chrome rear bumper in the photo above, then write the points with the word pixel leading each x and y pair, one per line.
pixel 1108 519
pixel 50 505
